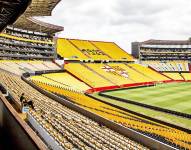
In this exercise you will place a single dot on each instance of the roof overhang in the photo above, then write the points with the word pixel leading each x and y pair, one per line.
pixel 41 8
pixel 38 8
pixel 10 10
pixel 35 25
pixel 167 42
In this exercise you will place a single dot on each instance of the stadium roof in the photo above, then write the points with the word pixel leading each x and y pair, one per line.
pixel 33 24
pixel 38 8
pixel 41 8
pixel 167 42
pixel 10 10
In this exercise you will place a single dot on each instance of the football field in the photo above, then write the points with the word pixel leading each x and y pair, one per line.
pixel 173 96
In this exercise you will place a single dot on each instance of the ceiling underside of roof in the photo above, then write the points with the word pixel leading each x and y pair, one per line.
pixel 41 8
pixel 38 8
pixel 10 10
pixel 36 25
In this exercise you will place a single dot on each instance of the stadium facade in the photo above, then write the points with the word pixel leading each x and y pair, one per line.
pixel 162 50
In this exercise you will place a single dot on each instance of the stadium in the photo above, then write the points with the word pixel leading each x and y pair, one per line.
pixel 60 93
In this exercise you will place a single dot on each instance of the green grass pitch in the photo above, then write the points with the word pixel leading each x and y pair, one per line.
pixel 173 96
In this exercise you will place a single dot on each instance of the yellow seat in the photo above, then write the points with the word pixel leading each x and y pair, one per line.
pixel 174 76
pixel 67 79
pixel 113 50
pixel 87 75
pixel 155 76
pixel 187 76
pixel 67 50
pixel 90 50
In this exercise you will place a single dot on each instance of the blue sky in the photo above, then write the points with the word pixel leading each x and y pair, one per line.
pixel 123 21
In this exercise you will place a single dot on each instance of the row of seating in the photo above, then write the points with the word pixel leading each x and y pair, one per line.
pixel 24 46
pixel 20 54
pixel 23 39
pixel 7 47
pixel 86 75
pixel 28 34
pixel 174 76
pixel 155 76
pixel 151 51
pixel 155 130
pixel 187 76
pixel 111 74
pixel 179 76
pixel 168 65
pixel 67 79
pixel 19 67
pixel 84 49
pixel 69 128
pixel 63 80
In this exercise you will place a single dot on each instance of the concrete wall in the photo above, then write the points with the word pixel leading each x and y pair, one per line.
pixel 51 142
pixel 135 48
pixel 19 135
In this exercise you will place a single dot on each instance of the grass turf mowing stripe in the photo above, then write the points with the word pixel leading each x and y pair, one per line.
pixel 184 122
pixel 145 96
pixel 172 96
pixel 165 97
pixel 147 91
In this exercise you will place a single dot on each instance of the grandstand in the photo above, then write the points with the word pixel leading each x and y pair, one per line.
pixel 162 50
pixel 75 49
pixel 17 44
pixel 112 113
pixel 28 38
pixel 171 58
pixel 113 50
pixel 22 44
pixel 19 67
pixel 155 76
pixel 113 75
pixel 62 79
pixel 168 66
pixel 174 76
pixel 87 75
pixel 63 123
pixel 66 79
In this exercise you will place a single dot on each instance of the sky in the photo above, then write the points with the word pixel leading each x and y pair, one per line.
pixel 123 21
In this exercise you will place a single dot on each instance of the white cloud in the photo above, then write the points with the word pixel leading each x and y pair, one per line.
pixel 123 21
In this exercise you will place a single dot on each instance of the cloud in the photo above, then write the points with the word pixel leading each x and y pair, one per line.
pixel 123 21
pixel 134 7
